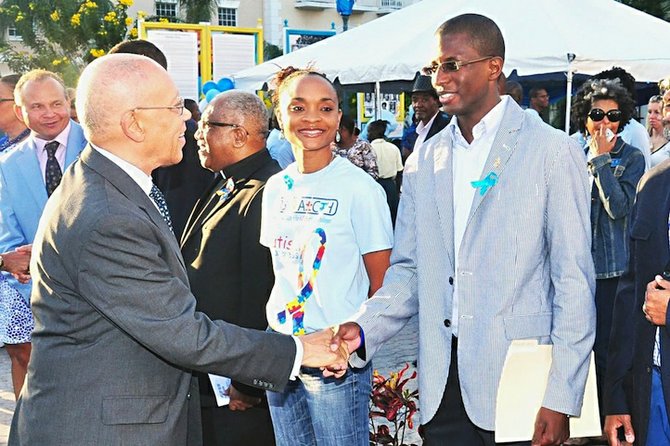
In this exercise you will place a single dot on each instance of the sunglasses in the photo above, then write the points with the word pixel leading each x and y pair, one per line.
pixel 449 66
pixel 597 114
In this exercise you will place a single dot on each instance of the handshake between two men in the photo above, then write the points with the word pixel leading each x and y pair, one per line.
pixel 329 349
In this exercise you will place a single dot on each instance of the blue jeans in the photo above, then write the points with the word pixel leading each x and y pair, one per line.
pixel 658 432
pixel 318 411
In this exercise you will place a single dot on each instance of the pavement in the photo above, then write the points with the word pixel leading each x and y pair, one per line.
pixel 6 397
pixel 391 357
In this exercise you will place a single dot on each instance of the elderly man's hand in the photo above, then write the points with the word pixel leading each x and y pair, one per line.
pixel 656 299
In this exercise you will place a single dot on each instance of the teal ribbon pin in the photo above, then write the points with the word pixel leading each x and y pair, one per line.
pixel 484 185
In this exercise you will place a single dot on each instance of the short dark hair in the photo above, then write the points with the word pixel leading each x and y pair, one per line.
pixel 596 89
pixel 190 104
pixel 286 75
pixel 535 90
pixel 377 129
pixel 143 48
pixel 485 35
pixel 11 80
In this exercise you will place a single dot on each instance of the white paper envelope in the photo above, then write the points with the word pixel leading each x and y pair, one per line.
pixel 521 390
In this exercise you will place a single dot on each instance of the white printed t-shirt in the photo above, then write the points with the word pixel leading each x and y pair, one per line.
pixel 317 227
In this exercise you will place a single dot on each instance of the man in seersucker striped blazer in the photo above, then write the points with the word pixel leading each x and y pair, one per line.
pixel 492 245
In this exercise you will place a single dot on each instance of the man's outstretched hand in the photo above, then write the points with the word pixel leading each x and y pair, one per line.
pixel 319 351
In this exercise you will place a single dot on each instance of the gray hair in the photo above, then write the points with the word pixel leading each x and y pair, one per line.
pixel 247 105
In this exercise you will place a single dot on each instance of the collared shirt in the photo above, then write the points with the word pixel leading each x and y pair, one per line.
pixel 422 131
pixel 389 161
pixel 41 152
pixel 467 166
pixel 135 173
pixel 145 183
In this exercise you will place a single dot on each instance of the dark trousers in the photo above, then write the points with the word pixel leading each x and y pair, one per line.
pixel 224 427
pixel 451 424
pixel 605 293
pixel 392 196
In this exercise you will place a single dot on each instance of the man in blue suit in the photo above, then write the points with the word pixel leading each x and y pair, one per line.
pixel 28 176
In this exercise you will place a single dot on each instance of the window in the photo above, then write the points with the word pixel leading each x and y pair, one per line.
pixel 12 34
pixel 227 17
pixel 166 8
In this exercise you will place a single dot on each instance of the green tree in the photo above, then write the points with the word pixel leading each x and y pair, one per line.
pixel 62 35
pixel 657 8
pixel 198 10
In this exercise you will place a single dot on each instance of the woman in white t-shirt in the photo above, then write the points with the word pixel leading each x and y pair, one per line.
pixel 328 228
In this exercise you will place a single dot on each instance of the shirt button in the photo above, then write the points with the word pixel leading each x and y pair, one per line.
pixel 447 323
pixel 648 369
pixel 188 396
pixel 451 280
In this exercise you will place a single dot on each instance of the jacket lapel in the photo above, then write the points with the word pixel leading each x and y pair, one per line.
pixel 30 170
pixel 204 209
pixel 131 190
pixel 75 144
pixel 504 144
pixel 444 181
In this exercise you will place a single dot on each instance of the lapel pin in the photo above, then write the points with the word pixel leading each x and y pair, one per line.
pixel 496 163
pixel 484 185
pixel 226 190
pixel 288 181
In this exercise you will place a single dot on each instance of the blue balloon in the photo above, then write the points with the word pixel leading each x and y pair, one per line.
pixel 225 84
pixel 209 85
pixel 211 94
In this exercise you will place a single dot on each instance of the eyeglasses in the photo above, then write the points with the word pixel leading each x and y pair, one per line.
pixel 449 66
pixel 597 114
pixel 178 107
pixel 224 124
pixel 6 99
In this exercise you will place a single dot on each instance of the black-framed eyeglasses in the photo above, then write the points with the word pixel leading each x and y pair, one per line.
pixel 597 114
pixel 6 99
pixel 224 124
pixel 450 66
pixel 178 107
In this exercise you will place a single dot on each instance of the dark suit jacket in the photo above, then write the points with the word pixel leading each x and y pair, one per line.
pixel 184 183
pixel 229 270
pixel 115 323
pixel 630 359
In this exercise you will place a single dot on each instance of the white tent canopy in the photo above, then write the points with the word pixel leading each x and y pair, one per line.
pixel 539 36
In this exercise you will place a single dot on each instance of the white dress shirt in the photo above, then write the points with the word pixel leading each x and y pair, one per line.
pixel 468 163
pixel 422 131
pixel 41 152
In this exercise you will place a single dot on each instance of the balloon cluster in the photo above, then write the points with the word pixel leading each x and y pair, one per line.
pixel 211 89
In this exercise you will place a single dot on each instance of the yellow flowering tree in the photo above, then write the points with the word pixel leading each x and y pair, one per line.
pixel 63 35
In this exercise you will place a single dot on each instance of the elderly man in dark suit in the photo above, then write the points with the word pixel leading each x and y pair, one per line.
pixel 229 270
pixel 638 375
pixel 116 331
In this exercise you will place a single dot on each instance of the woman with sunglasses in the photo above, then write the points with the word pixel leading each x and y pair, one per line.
pixel 601 110
pixel 660 149
pixel 328 228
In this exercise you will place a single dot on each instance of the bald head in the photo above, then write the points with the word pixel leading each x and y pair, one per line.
pixel 112 85
pixel 129 106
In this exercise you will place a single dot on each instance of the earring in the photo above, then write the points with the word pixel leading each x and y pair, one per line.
pixel 338 137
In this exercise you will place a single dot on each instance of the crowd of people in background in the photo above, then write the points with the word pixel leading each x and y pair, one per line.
pixel 160 240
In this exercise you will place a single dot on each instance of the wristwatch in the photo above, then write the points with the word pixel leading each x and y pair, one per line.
pixel 2 263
